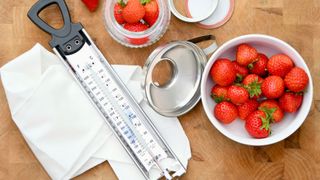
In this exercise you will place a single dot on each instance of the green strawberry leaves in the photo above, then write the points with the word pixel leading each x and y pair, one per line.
pixel 254 88
pixel 218 99
pixel 265 123
pixel 266 120
pixel 250 66
pixel 239 78
pixel 144 2
pixel 122 3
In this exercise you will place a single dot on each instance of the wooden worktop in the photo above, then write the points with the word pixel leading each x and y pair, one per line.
pixel 213 155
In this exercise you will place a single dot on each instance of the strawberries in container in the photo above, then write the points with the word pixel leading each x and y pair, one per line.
pixel 246 54
pixel 135 11
pixel 247 108
pixel 280 65
pixel 136 16
pixel 273 87
pixel 136 23
pixel 258 124
pixel 259 67
pixel 219 75
pixel 256 89
pixel 151 12
pixel 237 94
pixel 226 112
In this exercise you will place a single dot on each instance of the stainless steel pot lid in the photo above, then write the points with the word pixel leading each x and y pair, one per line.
pixel 172 77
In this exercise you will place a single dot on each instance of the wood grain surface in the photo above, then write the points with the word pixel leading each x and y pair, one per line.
pixel 213 155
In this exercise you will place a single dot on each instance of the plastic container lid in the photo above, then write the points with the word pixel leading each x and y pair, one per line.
pixel 207 8
pixel 219 17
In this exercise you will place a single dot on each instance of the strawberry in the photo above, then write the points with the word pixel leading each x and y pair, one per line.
pixel 260 66
pixel 152 11
pixel 133 12
pixel 135 27
pixel 279 65
pixel 273 107
pixel 272 87
pixel 237 94
pixel 290 102
pixel 91 4
pixel 246 54
pixel 296 80
pixel 226 112
pixel 223 72
pixel 252 78
pixel 253 85
pixel 242 72
pixel 247 108
pixel 118 13
pixel 258 124
pixel 138 41
pixel 219 93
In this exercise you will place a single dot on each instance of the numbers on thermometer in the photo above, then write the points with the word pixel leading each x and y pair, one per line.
pixel 100 85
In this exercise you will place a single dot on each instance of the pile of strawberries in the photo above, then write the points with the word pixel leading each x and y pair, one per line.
pixel 256 89
pixel 136 15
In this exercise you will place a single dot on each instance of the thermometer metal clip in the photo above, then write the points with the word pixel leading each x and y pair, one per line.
pixel 134 130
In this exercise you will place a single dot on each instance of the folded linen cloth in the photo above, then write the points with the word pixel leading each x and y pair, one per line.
pixel 60 125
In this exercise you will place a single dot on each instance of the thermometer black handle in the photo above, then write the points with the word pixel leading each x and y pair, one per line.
pixel 68 38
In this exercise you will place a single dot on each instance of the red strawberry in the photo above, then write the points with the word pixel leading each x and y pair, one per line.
pixel 290 102
pixel 223 72
pixel 135 27
pixel 279 65
pixel 272 87
pixel 273 107
pixel 138 41
pixel 226 112
pixel 118 13
pixel 152 12
pixel 253 85
pixel 237 94
pixel 246 54
pixel 296 80
pixel 252 78
pixel 242 72
pixel 258 124
pixel 91 4
pixel 133 12
pixel 259 67
pixel 219 93
pixel 247 108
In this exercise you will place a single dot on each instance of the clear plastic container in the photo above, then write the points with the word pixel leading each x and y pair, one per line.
pixel 136 39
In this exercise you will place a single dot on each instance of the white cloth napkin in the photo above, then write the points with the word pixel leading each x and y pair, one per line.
pixel 63 129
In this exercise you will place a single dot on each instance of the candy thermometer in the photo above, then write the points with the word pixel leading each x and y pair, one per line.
pixel 108 94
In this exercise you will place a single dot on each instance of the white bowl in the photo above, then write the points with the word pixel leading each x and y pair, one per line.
pixel 236 130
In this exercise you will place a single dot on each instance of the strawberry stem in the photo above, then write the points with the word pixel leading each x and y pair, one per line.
pixel 254 88
pixel 265 123
pixel 122 3
pixel 218 99
pixel 269 113
pixel 239 78
pixel 144 2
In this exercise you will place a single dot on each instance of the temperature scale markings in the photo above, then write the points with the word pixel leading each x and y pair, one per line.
pixel 96 92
